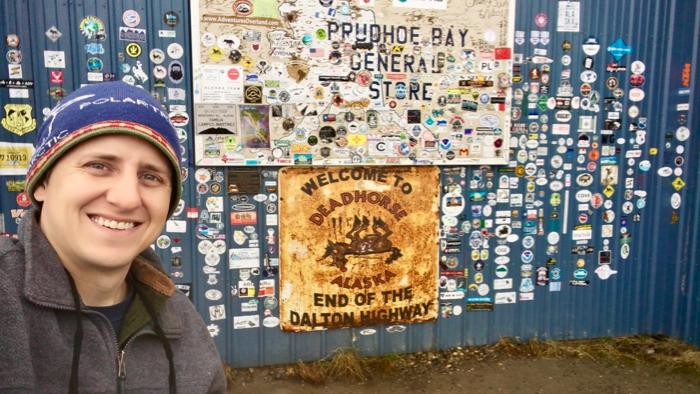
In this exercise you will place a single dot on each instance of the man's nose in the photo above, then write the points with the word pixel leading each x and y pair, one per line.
pixel 125 192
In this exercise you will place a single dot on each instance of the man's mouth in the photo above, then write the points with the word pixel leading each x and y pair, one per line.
pixel 113 224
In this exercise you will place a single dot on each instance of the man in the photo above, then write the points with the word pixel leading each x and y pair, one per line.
pixel 84 303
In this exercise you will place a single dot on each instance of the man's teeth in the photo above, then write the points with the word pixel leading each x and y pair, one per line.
pixel 113 224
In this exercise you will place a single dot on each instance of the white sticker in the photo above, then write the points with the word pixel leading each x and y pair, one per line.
pixel 176 226
pixel 54 59
pixel 271 321
pixel 213 294
pixel 569 16
pixel 665 171
pixel 247 321
pixel 636 94
pixel 503 284
pixel 682 133
pixel 675 200
pixel 553 238
pixel 505 298
pixel 368 331
pixel 217 312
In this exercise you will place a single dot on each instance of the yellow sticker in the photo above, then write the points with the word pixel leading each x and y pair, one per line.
pixel 653 151
pixel 475 254
pixel 230 143
pixel 18 119
pixel 15 185
pixel 484 254
pixel 133 49
pixel 357 139
pixel 678 184
pixel 609 191
pixel 247 63
pixel 14 158
pixel 215 54
pixel 478 277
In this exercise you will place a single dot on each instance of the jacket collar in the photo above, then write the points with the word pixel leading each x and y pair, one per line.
pixel 46 281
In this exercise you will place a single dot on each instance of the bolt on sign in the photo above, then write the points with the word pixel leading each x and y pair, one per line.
pixel 358 246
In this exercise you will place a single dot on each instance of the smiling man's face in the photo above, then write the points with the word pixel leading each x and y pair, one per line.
pixel 105 201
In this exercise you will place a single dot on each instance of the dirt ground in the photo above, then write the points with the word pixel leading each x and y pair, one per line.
pixel 614 365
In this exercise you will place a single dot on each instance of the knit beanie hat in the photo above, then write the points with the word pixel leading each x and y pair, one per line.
pixel 102 109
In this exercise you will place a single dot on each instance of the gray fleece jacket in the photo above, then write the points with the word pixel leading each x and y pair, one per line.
pixel 38 323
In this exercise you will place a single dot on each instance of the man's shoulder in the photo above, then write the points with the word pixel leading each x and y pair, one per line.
pixel 12 265
pixel 11 256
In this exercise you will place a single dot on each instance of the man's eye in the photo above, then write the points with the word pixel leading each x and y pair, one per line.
pixel 97 165
pixel 152 177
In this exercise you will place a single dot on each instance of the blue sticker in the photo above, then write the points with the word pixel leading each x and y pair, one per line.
pixel 618 49
pixel 580 274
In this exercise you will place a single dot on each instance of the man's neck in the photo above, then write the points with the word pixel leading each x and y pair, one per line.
pixel 100 288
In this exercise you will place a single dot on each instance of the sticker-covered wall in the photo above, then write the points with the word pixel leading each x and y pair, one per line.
pixel 589 228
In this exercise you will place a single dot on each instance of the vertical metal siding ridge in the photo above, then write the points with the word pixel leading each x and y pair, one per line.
pixel 636 262
pixel 685 224
pixel 646 262
pixel 691 327
pixel 649 299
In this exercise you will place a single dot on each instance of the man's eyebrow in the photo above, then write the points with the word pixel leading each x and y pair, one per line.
pixel 156 168
pixel 114 158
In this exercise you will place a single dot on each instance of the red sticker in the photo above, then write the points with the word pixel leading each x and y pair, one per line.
pixel 502 53
pixel 23 200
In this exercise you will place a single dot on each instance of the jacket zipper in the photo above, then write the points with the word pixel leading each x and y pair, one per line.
pixel 121 372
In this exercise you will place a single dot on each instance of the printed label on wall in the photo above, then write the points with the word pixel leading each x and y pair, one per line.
pixel 358 246
pixel 349 83
pixel 14 158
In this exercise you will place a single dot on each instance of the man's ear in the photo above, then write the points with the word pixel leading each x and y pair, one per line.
pixel 40 192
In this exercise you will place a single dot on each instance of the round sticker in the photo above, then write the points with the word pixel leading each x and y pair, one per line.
pixel 637 67
pixel 368 331
pixel 175 50
pixel 664 171
pixel 541 20
pixel 202 175
pixel 131 18
pixel 171 18
pixel 591 46
pixel 14 56
pixel 633 111
pixel 204 246
pixel 271 321
pixel 208 39
pixel 176 71
pixel 160 72
pixel 12 40
pixel 133 49
pixel 553 238
pixel 636 95
pixel 682 133
pixel 92 27
pixel 156 55
pixel 675 200
pixel 625 251
pixel 213 294
pixel 163 242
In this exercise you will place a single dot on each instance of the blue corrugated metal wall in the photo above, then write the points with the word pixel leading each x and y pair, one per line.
pixel 656 290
